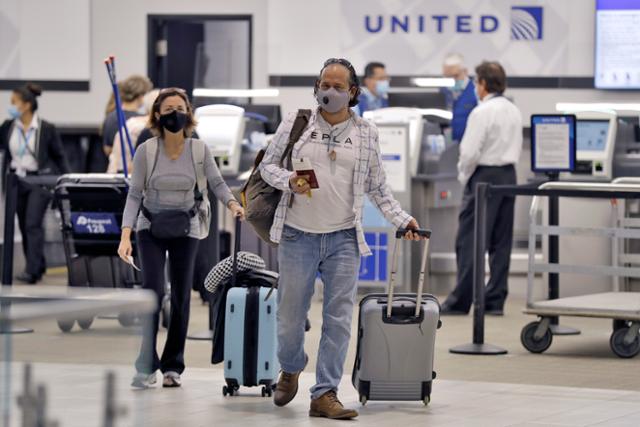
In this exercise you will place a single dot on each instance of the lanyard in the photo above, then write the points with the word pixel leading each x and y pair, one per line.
pixel 24 141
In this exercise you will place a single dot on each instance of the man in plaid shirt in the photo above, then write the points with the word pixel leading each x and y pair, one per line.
pixel 320 231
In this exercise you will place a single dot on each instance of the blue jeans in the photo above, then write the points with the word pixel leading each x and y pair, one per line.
pixel 301 256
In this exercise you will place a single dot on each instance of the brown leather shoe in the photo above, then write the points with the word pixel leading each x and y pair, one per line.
pixel 286 388
pixel 329 406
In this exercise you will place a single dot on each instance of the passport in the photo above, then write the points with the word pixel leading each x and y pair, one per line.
pixel 304 169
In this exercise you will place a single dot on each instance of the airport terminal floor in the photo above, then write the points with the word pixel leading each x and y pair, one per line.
pixel 577 382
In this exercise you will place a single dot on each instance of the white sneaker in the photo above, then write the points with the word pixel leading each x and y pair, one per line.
pixel 171 379
pixel 143 381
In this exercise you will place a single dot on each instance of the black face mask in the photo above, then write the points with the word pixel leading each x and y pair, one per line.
pixel 174 121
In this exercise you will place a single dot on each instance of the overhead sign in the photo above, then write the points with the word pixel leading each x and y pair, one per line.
pixel 529 37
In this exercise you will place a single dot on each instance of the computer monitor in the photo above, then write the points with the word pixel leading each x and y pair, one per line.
pixel 272 113
pixel 593 135
pixel 553 143
pixel 418 99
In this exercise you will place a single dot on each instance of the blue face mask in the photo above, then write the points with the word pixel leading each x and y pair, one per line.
pixel 13 112
pixel 458 86
pixel 382 87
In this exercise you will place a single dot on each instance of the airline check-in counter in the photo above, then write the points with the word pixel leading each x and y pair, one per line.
pixel 432 192
pixel 607 148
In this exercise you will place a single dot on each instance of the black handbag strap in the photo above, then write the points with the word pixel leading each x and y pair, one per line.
pixel 147 214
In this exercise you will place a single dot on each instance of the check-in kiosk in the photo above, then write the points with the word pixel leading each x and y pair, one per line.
pixel 580 148
pixel 596 139
pixel 433 193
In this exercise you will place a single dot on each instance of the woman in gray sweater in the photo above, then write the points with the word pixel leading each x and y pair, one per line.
pixel 171 214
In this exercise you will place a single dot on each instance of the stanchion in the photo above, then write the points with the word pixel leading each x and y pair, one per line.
pixel 478 346
pixel 10 205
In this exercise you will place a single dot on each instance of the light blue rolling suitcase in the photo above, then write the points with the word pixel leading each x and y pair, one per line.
pixel 250 336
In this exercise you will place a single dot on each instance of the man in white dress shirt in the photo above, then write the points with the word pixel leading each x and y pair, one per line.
pixel 489 151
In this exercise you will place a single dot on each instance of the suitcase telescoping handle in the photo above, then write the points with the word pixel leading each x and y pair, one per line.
pixel 394 267
pixel 236 249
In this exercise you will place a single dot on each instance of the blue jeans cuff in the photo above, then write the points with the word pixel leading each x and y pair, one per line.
pixel 319 392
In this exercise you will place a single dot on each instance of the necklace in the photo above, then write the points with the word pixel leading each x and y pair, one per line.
pixel 330 145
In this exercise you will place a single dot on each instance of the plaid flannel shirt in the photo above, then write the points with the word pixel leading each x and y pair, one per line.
pixel 368 177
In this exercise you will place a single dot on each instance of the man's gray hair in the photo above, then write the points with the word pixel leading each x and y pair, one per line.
pixel 453 59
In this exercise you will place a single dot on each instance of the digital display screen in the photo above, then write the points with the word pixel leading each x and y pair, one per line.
pixel 617 56
pixel 592 135
pixel 553 143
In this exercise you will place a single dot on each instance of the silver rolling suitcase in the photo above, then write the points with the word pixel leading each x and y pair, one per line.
pixel 394 358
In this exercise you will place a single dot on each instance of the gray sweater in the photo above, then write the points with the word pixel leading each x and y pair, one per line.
pixel 170 187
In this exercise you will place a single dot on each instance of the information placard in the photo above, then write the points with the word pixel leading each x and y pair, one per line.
pixel 394 146
pixel 553 143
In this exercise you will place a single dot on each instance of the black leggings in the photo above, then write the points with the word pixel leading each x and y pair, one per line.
pixel 182 253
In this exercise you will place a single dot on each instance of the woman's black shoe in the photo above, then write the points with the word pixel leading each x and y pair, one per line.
pixel 27 278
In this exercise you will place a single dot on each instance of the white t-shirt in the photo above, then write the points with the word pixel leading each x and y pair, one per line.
pixel 493 136
pixel 330 208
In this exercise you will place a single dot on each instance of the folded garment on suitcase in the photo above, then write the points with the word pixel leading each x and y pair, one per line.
pixel 223 270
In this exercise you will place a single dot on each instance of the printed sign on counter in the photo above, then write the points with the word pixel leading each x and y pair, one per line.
pixel 394 141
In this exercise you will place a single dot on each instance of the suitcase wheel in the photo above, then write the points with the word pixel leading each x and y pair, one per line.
pixel 226 390
pixel 85 323
pixel 65 325
pixel 426 400
pixel 127 319
pixel 267 391
pixel 363 399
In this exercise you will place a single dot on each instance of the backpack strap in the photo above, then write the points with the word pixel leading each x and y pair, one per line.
pixel 198 152
pixel 151 148
pixel 299 125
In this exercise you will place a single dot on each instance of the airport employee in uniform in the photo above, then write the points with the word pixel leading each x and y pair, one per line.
pixel 461 98
pixel 374 93
pixel 31 146
pixel 489 151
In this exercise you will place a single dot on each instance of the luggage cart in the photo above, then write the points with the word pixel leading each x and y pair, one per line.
pixel 622 307
pixel 627 251
pixel 91 207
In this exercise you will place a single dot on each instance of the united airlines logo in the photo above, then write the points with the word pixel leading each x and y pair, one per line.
pixel 526 23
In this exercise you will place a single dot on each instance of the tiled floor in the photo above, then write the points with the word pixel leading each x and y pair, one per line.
pixel 76 394
pixel 578 381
